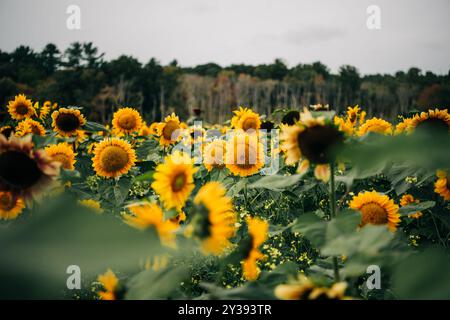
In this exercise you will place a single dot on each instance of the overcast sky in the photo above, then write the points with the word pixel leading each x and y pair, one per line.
pixel 413 32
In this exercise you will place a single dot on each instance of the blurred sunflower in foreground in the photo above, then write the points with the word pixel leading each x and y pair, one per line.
pixel 110 285
pixel 24 171
pixel 376 209
pixel 257 231
pixel 305 289
pixel 215 219
pixel 144 215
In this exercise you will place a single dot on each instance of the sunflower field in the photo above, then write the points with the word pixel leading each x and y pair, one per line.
pixel 295 205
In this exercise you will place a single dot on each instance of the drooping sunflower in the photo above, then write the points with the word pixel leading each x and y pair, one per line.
pixel 214 154
pixel 144 130
pixel 442 184
pixel 313 139
pixel 169 131
pixel 144 215
pixel 30 126
pixel 66 121
pixel 127 120
pixel 10 205
pixel 110 283
pixel 63 153
pixel 354 114
pixel 92 204
pixel 21 108
pixel 214 222
pixel 257 230
pixel 408 199
pixel 246 119
pixel 305 289
pixel 113 157
pixel 376 209
pixel 433 120
pixel 244 154
pixel 6 131
pixel 173 180
pixel 24 171
pixel 375 125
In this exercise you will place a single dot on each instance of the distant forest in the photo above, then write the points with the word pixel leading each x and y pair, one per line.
pixel 81 76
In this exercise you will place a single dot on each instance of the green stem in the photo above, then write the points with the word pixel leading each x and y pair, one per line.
pixel 245 196
pixel 333 213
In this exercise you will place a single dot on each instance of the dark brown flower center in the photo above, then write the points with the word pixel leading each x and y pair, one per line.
pixel 67 122
pixel 7 131
pixel 373 213
pixel 19 170
pixel 319 143
pixel 179 182
pixel 113 158
pixel 169 129
pixel 127 122
pixel 433 125
pixel 22 109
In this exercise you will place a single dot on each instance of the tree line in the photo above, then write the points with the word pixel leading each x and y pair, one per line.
pixel 81 76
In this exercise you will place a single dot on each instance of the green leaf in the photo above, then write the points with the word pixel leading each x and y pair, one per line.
pixel 152 284
pixel 41 142
pixel 145 176
pixel 276 182
pixel 121 190
pixel 369 240
pixel 423 275
pixel 94 126
pixel 413 208
pixel 312 227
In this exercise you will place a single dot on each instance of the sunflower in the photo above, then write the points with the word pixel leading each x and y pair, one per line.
pixel 144 215
pixel 113 157
pixel 344 126
pixel 244 154
pixel 21 108
pixel 144 131
pixel 214 154
pixel 169 131
pixel 257 230
pixel 24 171
pixel 314 140
pixel 10 205
pixel 403 126
pixel 435 120
pixel 214 222
pixel 442 184
pixel 153 128
pixel 246 119
pixel 174 179
pixel 376 209
pixel 63 153
pixel 126 121
pixel 45 110
pixel 408 199
pixel 375 125
pixel 30 126
pixel 305 289
pixel 111 287
pixel 92 204
pixel 6 131
pixel 67 121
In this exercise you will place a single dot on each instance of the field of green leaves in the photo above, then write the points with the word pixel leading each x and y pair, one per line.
pixel 298 204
